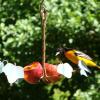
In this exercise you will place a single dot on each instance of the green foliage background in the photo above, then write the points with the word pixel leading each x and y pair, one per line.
pixel 72 23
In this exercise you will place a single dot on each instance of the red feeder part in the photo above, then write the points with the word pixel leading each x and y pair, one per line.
pixel 33 73
pixel 52 75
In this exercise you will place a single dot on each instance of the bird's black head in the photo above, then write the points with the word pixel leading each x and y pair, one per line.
pixel 60 53
pixel 61 50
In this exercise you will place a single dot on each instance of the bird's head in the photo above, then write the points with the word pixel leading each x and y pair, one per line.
pixel 61 50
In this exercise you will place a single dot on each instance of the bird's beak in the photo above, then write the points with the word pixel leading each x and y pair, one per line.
pixel 57 53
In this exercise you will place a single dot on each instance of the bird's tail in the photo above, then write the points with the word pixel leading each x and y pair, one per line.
pixel 98 67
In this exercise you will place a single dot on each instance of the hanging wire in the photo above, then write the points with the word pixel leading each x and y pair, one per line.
pixel 43 14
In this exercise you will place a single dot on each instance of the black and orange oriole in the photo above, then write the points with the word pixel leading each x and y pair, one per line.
pixel 74 56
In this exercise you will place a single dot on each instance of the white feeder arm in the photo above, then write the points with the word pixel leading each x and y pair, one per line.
pixel 65 69
pixel 13 72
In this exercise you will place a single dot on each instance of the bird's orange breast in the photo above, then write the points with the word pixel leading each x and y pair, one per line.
pixel 71 56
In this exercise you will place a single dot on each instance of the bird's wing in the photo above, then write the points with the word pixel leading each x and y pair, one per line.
pixel 82 66
pixel 81 54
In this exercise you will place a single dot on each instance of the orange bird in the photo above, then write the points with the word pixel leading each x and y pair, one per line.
pixel 75 56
